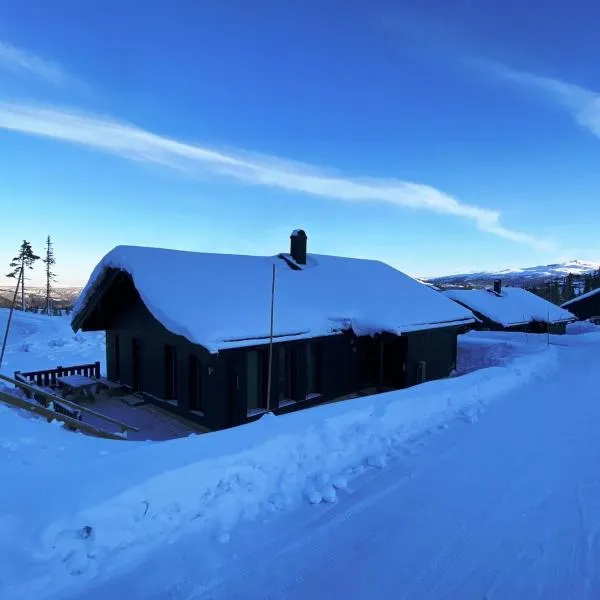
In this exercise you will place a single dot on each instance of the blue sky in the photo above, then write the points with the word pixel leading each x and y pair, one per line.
pixel 439 137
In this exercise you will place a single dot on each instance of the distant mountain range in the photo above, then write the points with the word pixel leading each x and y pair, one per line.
pixel 528 276
pixel 62 296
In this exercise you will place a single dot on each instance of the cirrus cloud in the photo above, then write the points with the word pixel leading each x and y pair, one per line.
pixel 19 60
pixel 134 143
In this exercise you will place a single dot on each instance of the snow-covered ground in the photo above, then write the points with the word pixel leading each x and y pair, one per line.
pixel 483 485
pixel 39 342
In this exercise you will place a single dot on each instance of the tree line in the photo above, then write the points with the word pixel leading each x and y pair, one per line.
pixel 562 289
pixel 24 261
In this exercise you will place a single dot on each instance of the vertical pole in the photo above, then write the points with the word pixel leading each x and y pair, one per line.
pixel 12 307
pixel 48 276
pixel 23 284
pixel 548 327
pixel 271 341
pixel 381 358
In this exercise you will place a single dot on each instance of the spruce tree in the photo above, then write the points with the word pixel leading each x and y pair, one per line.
pixel 49 261
pixel 19 263
pixel 568 288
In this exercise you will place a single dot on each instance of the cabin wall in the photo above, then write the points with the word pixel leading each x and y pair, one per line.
pixel 437 348
pixel 130 320
pixel 217 388
pixel 335 376
pixel 588 308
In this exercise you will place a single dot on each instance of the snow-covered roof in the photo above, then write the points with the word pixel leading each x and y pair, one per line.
pixel 514 306
pixel 581 297
pixel 222 300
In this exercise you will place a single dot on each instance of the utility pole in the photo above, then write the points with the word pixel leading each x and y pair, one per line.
pixel 271 341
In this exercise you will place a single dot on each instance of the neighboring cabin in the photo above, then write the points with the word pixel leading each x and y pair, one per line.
pixel 586 306
pixel 512 309
pixel 192 330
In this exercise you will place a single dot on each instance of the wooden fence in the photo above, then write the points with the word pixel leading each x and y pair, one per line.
pixel 48 377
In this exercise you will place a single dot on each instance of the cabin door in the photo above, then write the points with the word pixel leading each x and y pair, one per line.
pixel 136 363
pixel 394 354
pixel 382 361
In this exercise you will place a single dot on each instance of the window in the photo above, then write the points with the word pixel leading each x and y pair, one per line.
pixel 313 367
pixel 170 373
pixel 288 358
pixel 195 383
pixel 257 373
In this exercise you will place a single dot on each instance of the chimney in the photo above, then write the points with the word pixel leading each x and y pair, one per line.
pixel 498 286
pixel 298 246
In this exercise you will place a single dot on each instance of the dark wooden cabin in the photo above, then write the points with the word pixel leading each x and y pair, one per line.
pixel 153 348
pixel 586 306
pixel 512 309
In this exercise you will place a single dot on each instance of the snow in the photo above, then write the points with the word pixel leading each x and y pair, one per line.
pixel 580 327
pixel 37 342
pixel 482 485
pixel 221 301
pixel 137 496
pixel 581 297
pixel 515 306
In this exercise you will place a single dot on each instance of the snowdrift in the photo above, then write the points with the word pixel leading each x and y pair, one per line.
pixel 104 499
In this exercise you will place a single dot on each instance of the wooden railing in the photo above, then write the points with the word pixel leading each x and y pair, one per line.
pixel 48 377
pixel 50 410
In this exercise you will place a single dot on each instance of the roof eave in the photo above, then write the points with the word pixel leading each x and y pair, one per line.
pixel 106 279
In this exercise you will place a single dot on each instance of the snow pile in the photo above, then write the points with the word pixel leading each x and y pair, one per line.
pixel 38 342
pixel 582 327
pixel 105 498
pixel 514 306
pixel 232 296
pixel 479 350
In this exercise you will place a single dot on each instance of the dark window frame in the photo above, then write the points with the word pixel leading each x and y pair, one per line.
pixel 260 379
pixel 314 374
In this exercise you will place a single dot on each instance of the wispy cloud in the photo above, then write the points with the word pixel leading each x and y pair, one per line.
pixel 22 61
pixel 581 103
pixel 131 142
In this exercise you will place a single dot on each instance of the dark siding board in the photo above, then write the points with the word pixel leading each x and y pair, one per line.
pixel 125 358
pixel 586 308
pixel 112 367
pixel 437 347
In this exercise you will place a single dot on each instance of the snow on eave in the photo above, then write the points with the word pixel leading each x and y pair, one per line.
pixel 511 308
pixel 581 297
pixel 231 343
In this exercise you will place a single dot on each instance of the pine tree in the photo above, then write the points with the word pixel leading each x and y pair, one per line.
pixel 49 261
pixel 568 288
pixel 19 263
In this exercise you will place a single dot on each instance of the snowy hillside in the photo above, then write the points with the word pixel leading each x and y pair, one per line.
pixel 39 342
pixel 388 492
pixel 516 277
